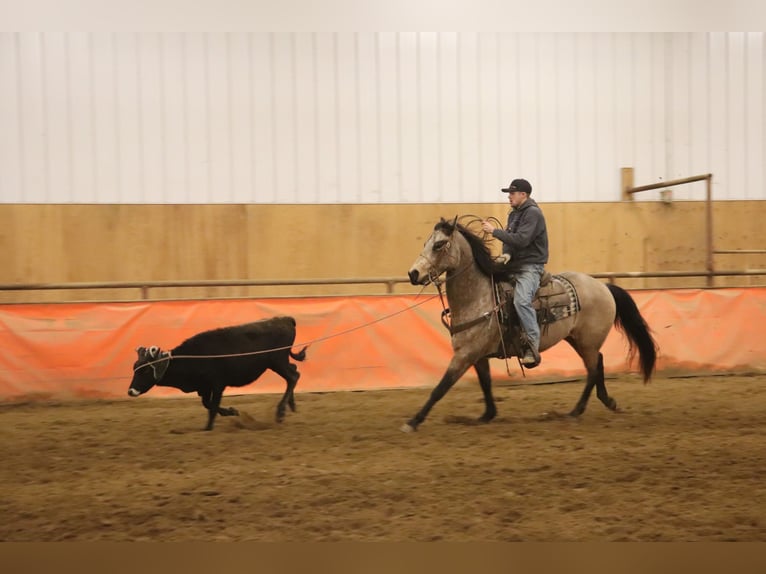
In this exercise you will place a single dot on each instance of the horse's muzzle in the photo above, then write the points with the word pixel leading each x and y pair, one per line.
pixel 413 275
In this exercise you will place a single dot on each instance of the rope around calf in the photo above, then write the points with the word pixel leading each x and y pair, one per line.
pixel 305 344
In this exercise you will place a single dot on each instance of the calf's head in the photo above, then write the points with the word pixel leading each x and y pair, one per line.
pixel 148 369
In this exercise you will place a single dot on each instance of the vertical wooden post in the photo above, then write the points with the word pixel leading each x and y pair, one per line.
pixel 627 182
pixel 709 226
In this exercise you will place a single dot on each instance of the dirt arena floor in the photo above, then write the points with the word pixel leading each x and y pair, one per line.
pixel 683 461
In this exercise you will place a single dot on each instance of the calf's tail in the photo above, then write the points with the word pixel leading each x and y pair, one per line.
pixel 300 355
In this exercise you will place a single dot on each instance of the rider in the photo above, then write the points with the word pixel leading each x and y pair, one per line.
pixel 525 240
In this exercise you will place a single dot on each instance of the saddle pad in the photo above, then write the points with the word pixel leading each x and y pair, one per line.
pixel 554 301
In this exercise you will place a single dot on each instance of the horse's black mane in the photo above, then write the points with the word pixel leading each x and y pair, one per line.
pixel 481 253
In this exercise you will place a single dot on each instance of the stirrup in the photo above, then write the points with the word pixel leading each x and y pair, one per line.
pixel 536 359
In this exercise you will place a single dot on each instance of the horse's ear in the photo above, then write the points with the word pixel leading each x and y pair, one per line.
pixel 446 227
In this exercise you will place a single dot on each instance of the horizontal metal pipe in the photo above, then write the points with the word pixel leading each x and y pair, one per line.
pixel 647 275
pixel 387 281
pixel 669 183
pixel 200 283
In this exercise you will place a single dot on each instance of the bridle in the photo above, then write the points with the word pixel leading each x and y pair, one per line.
pixel 434 278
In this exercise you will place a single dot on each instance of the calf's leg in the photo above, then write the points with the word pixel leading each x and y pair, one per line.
pixel 289 372
pixel 213 405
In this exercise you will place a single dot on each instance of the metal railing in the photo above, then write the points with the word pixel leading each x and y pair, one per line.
pixel 628 191
pixel 611 276
pixel 388 283
pixel 145 286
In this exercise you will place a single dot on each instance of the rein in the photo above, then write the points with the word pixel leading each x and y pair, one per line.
pixel 442 298
pixel 453 329
pixel 445 315
pixel 486 316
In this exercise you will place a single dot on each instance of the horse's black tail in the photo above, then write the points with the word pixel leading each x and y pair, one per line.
pixel 632 324
pixel 300 355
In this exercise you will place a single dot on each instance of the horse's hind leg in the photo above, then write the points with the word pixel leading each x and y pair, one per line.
pixel 601 393
pixel 595 367
pixel 594 363
pixel 485 381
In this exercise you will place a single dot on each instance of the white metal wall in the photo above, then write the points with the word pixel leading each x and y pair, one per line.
pixel 376 117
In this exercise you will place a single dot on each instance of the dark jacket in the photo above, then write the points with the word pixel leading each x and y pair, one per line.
pixel 525 238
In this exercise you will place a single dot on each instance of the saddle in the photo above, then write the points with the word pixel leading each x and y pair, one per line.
pixel 556 299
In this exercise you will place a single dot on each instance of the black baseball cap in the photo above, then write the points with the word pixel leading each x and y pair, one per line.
pixel 518 185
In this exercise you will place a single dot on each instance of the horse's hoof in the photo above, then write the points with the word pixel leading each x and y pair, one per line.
pixel 407 427
pixel 612 404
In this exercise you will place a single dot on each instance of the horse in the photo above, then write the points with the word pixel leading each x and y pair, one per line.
pixel 477 329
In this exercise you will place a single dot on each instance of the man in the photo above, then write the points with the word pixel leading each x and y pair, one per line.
pixel 525 240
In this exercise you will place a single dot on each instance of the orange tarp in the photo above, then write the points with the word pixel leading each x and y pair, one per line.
pixel 364 342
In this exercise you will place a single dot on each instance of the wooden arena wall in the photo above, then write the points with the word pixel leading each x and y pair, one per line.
pixel 106 243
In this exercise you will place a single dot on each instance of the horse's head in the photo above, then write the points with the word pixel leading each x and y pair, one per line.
pixel 438 254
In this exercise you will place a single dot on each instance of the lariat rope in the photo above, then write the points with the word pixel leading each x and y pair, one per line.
pixel 305 344
pixel 432 279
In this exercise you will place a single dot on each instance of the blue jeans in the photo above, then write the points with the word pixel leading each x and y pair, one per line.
pixel 527 284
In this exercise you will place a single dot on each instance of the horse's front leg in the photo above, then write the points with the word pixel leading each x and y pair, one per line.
pixel 485 382
pixel 457 367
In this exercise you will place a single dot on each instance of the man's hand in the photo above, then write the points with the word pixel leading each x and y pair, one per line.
pixel 487 226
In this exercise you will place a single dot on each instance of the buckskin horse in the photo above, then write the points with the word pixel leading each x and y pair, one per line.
pixel 583 315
